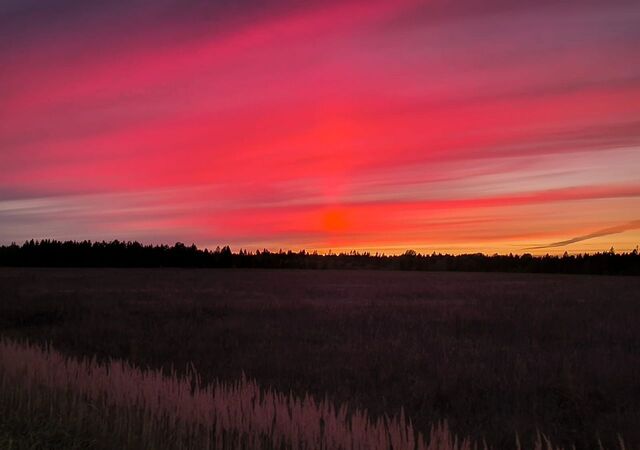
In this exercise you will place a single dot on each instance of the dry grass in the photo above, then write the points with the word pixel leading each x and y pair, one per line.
pixel 238 415
pixel 118 404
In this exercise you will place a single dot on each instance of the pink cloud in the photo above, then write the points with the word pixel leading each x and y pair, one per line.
pixel 371 123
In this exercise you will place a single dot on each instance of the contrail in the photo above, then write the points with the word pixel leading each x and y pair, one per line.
pixel 604 232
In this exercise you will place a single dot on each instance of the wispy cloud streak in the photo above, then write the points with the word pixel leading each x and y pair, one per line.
pixel 634 225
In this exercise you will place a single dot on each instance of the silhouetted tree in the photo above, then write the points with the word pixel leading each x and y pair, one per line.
pixel 51 253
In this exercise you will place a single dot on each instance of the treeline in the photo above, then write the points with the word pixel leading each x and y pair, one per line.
pixel 52 253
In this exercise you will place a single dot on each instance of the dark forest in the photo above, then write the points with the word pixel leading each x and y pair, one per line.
pixel 53 253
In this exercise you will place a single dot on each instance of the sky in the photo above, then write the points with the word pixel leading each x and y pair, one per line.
pixel 492 126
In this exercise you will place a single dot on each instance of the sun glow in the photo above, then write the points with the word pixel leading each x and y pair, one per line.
pixel 335 220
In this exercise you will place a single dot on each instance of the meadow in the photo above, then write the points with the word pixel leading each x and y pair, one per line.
pixel 496 355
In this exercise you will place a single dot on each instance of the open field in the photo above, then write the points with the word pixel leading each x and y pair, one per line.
pixel 494 354
pixel 121 406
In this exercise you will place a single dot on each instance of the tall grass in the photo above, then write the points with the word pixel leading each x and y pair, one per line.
pixel 139 409
pixel 219 415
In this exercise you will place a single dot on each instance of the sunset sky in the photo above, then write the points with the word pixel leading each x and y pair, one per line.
pixel 448 126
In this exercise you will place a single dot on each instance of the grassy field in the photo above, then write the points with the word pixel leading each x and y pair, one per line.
pixel 494 354
pixel 120 406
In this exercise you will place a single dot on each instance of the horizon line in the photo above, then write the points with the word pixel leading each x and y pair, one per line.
pixel 338 251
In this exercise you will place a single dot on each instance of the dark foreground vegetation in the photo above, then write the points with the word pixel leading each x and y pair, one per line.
pixel 51 253
pixel 495 354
